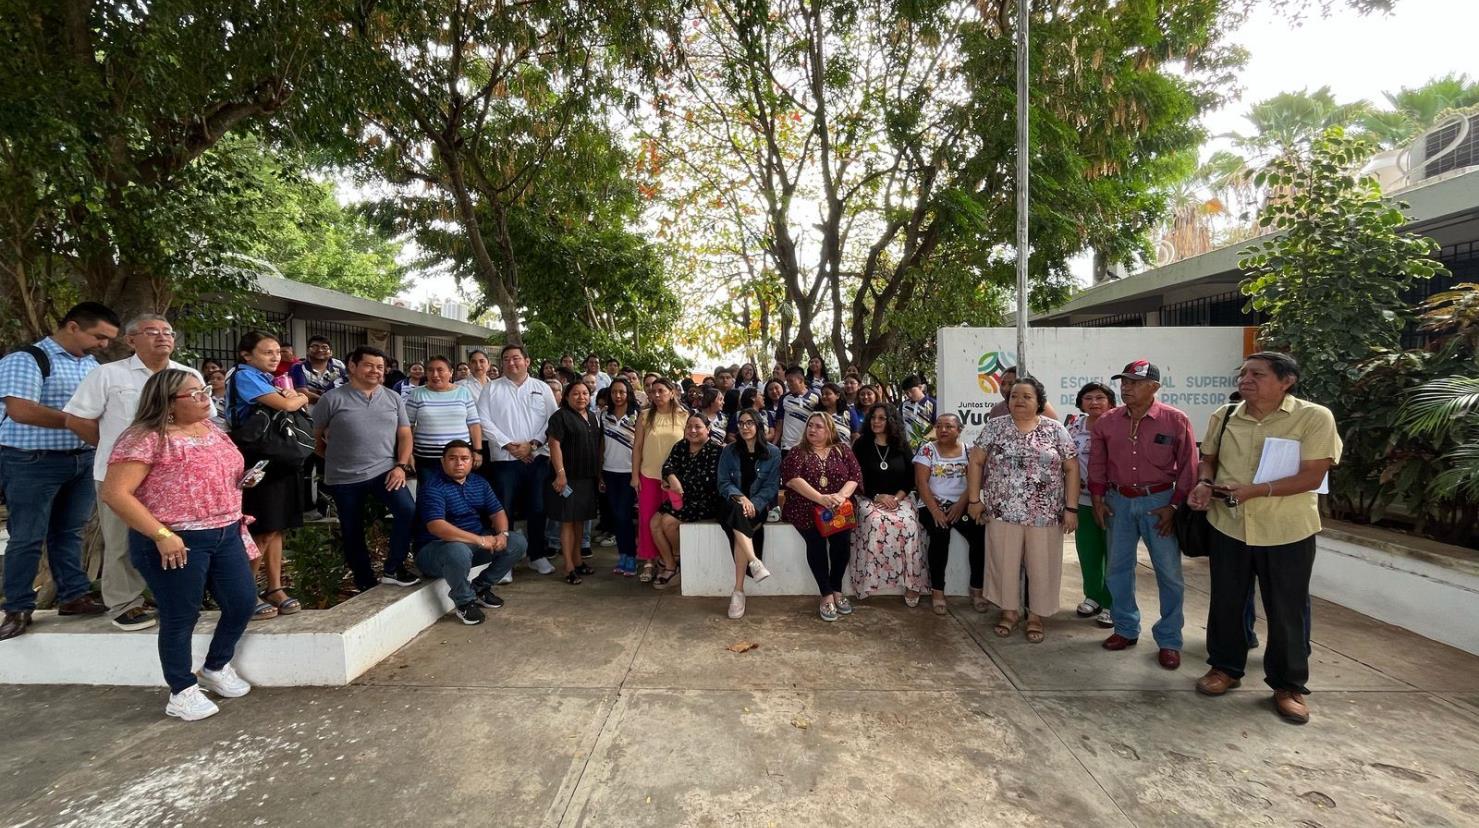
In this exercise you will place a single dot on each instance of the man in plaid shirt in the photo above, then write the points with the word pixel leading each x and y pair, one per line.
pixel 46 470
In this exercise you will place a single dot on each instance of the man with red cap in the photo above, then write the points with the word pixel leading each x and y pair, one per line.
pixel 1142 465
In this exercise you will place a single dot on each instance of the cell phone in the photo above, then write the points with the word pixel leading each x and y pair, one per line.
pixel 567 491
pixel 253 475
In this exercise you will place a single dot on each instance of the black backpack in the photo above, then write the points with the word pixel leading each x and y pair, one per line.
pixel 44 363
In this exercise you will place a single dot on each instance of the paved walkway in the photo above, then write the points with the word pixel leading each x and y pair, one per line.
pixel 612 704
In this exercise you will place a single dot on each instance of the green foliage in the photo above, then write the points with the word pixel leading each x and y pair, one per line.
pixel 874 199
pixel 105 107
pixel 1331 283
pixel 1415 110
pixel 314 565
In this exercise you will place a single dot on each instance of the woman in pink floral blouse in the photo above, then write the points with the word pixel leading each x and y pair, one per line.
pixel 1030 502
pixel 175 478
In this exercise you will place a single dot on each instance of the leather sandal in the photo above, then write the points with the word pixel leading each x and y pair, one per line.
pixel 287 606
pixel 1005 626
pixel 1034 631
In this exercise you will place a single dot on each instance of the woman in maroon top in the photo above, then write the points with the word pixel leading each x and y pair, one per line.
pixel 821 472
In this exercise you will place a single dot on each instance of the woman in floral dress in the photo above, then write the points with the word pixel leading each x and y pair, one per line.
pixel 886 551
pixel 1030 502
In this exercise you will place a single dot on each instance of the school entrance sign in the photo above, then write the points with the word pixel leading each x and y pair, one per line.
pixel 1197 365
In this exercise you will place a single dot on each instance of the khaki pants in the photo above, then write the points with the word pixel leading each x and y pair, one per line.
pixel 123 587
pixel 1012 546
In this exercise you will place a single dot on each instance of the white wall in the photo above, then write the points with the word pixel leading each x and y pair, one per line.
pixel 1197 365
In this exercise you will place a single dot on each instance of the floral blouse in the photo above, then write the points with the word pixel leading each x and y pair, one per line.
pixel 699 474
pixel 193 482
pixel 1024 472
pixel 840 467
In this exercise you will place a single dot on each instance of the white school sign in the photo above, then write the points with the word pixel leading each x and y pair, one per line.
pixel 1197 366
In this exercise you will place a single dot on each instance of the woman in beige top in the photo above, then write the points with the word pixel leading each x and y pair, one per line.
pixel 659 428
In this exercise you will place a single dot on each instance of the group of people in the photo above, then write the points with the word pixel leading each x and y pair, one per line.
pixel 875 487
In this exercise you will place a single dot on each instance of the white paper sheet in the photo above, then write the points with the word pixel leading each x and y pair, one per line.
pixel 1280 459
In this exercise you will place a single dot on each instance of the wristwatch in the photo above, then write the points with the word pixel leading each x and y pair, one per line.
pixel 406 467
pixel 162 533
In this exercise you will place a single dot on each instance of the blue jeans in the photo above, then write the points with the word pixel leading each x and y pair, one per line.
pixel 521 488
pixel 452 560
pixel 350 499
pixel 50 496
pixel 216 561
pixel 1133 522
pixel 621 510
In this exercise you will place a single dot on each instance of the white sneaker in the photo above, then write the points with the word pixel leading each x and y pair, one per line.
pixel 758 570
pixel 191 705
pixel 225 682
pixel 737 605
pixel 606 541
pixel 542 566
pixel 773 516
pixel 1105 619
pixel 508 578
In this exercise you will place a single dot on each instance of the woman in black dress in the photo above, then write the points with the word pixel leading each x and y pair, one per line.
pixel 574 435
pixel 690 481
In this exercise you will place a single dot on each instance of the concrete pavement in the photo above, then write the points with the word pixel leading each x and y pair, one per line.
pixel 613 704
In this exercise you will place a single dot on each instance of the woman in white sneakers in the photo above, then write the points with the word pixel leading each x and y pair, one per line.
pixel 175 479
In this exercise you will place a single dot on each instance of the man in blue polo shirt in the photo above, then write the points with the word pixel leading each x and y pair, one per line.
pixel 455 512
pixel 46 470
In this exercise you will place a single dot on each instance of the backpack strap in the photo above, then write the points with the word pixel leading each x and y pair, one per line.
pixel 43 361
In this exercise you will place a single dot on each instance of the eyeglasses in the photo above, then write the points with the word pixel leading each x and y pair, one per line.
pixel 157 333
pixel 199 395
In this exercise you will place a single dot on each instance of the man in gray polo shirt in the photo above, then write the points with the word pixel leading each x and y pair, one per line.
pixel 364 437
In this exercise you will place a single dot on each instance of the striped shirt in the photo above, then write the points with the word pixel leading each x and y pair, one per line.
pixel 20 377
pixel 621 435
pixel 795 408
pixel 439 417
pixel 919 418
pixel 719 429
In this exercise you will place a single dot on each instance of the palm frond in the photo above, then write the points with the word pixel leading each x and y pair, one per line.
pixel 1435 407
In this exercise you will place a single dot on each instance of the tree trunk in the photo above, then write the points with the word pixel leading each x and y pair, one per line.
pixel 503 294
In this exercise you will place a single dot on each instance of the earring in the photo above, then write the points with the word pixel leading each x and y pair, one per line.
pixel 170 419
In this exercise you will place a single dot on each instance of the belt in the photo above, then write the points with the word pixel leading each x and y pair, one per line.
pixel 54 452
pixel 1142 491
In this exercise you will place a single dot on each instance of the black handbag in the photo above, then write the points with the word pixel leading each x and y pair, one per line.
pixel 284 437
pixel 1193 529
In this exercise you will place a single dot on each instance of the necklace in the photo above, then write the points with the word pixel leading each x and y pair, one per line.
pixel 822 481
pixel 882 457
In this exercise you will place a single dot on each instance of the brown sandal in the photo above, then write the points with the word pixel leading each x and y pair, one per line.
pixel 1005 626
pixel 1034 631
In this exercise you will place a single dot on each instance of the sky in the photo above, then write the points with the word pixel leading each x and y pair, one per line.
pixel 1357 57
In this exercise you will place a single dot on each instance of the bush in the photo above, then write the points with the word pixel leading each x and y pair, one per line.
pixel 315 565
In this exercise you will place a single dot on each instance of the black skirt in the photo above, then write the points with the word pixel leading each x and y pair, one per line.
pixel 277 502
pixel 580 506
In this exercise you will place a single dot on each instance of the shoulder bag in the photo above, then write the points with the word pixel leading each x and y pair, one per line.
pixel 284 437
pixel 1193 529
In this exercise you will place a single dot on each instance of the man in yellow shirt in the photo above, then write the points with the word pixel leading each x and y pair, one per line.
pixel 1264 530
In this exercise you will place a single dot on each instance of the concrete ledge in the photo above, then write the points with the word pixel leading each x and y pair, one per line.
pixel 311 648
pixel 1416 583
pixel 708 565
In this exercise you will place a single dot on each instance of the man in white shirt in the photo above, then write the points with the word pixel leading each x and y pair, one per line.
pixel 515 409
pixel 100 409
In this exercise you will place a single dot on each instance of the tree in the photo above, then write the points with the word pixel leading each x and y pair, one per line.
pixel 472 98
pixel 876 136
pixel 105 105
pixel 1413 111
pixel 1331 283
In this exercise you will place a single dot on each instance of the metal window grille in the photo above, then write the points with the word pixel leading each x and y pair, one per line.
pixel 342 338
pixel 1222 310
pixel 220 344
pixel 1462 261
pixel 1119 320
pixel 422 348
pixel 1465 154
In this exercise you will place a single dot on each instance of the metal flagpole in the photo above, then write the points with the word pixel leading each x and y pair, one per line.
pixel 1023 7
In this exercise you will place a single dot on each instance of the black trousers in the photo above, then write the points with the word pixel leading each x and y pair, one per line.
pixel 827 558
pixel 1283 574
pixel 732 519
pixel 939 547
